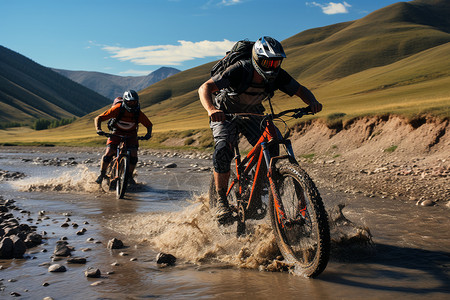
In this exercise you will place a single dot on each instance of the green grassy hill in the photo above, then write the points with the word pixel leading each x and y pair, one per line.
pixel 395 60
pixel 30 91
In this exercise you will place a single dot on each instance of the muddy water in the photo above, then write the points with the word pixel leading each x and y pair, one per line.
pixel 167 211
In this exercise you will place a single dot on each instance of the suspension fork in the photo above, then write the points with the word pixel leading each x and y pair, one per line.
pixel 281 216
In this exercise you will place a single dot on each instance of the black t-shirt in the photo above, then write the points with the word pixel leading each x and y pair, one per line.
pixel 250 99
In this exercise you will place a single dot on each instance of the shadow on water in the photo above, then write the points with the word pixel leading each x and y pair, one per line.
pixel 402 269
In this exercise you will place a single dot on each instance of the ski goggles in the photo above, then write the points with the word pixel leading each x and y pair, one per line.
pixel 270 64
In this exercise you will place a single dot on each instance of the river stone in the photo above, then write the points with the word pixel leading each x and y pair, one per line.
pixel 57 268
pixel 165 259
pixel 77 260
pixel 33 239
pixel 115 244
pixel 19 247
pixel 170 165
pixel 62 249
pixel 427 203
pixel 92 273
pixel 6 248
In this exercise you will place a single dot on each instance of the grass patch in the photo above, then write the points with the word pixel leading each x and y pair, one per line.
pixel 335 120
pixel 189 141
pixel 308 156
pixel 391 149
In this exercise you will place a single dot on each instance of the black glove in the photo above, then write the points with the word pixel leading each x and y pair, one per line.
pixel 147 136
pixel 100 132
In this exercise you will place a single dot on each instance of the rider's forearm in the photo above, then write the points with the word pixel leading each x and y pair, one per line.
pixel 97 123
pixel 306 95
pixel 205 91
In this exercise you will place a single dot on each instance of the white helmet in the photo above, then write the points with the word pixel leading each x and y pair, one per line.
pixel 131 101
pixel 267 55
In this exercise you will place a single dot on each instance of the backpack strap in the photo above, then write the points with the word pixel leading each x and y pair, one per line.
pixel 245 82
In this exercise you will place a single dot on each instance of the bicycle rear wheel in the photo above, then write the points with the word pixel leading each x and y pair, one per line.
pixel 304 236
pixel 122 177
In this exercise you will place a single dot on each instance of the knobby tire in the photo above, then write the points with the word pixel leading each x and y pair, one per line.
pixel 122 178
pixel 305 240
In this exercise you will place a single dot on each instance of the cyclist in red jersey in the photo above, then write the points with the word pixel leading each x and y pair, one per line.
pixel 125 117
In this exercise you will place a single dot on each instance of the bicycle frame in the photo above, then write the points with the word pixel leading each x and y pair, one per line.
pixel 122 150
pixel 257 154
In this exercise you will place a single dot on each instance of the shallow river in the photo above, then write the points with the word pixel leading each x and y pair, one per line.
pixel 167 212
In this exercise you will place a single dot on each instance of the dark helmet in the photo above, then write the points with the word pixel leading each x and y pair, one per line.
pixel 131 101
pixel 267 55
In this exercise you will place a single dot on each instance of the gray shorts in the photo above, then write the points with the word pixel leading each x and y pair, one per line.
pixel 228 131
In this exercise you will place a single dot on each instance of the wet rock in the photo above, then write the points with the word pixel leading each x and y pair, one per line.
pixel 165 259
pixel 6 248
pixel 427 203
pixel 92 273
pixel 6 175
pixel 57 268
pixel 62 249
pixel 33 239
pixel 15 294
pixel 76 260
pixel 170 166
pixel 19 247
pixel 115 244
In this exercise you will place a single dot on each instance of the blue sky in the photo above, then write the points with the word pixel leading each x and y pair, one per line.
pixel 136 37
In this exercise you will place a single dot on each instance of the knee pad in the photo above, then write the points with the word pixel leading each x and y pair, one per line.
pixel 133 160
pixel 222 157
pixel 107 159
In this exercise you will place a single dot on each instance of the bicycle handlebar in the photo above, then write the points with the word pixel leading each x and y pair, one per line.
pixel 297 113
pixel 122 136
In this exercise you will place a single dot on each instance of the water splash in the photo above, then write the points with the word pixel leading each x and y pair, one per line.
pixel 78 180
pixel 194 236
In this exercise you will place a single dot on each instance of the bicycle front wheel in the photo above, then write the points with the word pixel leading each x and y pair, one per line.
pixel 122 177
pixel 299 220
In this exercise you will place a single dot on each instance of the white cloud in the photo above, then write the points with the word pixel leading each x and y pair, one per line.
pixel 230 2
pixel 170 54
pixel 332 8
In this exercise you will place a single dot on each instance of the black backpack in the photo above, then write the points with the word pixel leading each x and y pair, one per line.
pixel 242 50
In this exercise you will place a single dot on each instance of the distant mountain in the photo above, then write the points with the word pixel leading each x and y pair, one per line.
pixel 112 86
pixel 29 91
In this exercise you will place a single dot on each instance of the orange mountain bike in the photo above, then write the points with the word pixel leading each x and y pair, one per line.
pixel 118 170
pixel 297 213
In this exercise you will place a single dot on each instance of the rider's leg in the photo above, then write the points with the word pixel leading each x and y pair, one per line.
pixel 106 159
pixel 252 130
pixel 133 162
pixel 221 159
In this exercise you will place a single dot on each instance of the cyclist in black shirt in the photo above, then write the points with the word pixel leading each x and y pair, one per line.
pixel 264 75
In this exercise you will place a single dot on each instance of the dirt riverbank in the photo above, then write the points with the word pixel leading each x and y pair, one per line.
pixel 387 156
